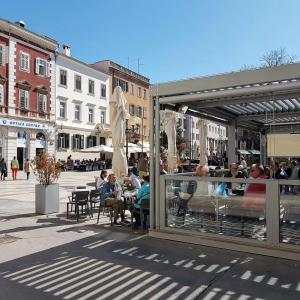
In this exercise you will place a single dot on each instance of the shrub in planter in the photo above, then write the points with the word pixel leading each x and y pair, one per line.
pixel 47 171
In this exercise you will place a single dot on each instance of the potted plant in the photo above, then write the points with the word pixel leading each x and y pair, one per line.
pixel 47 171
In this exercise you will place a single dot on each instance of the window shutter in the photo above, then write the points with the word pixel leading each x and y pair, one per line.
pixel 94 141
pixel 37 65
pixel 1 95
pixel 58 141
pixel 135 110
pixel 81 141
pixel 48 69
pixel 67 140
pixel 44 103
pixel 27 99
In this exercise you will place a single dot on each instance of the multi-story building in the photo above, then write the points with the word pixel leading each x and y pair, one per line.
pixel 136 91
pixel 82 107
pixel 27 85
pixel 215 140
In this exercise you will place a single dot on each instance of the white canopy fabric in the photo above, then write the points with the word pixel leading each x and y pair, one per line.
pixel 97 149
pixel 118 115
pixel 202 125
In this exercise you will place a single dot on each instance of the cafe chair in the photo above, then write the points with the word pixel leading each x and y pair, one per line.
pixel 79 199
pixel 94 199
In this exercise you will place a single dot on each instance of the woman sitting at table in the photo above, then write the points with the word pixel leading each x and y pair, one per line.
pixel 143 194
pixel 102 179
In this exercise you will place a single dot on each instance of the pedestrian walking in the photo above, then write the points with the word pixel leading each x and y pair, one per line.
pixel 27 168
pixel 14 165
pixel 3 169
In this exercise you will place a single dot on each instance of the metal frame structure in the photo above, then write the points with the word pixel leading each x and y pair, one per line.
pixel 259 99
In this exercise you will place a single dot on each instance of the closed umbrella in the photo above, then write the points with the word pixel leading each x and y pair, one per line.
pixel 202 125
pixel 118 115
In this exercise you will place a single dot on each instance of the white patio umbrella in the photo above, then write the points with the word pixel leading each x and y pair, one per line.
pixel 97 149
pixel 202 125
pixel 118 115
pixel 170 129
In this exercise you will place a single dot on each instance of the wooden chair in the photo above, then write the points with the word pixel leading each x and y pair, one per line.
pixel 144 212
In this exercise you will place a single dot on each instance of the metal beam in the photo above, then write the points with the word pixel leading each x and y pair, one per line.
pixel 225 96
pixel 262 116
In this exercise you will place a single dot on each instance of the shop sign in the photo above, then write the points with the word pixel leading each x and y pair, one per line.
pixel 22 124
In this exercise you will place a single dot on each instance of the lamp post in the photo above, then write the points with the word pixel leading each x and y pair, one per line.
pixel 142 134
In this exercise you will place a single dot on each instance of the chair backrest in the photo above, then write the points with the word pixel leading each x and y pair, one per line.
pixel 94 194
pixel 80 187
pixel 81 196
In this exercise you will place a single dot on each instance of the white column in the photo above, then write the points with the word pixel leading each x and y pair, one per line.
pixel 11 76
pixel 231 149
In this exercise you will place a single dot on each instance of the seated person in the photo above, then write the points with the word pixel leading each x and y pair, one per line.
pixel 255 193
pixel 134 180
pixel 143 194
pixel 110 193
pixel 234 173
pixel 102 179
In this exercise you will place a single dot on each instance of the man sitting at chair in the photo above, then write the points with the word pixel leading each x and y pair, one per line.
pixel 111 192
pixel 143 194
pixel 134 180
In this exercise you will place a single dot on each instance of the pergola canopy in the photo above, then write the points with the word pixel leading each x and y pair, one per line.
pixel 253 98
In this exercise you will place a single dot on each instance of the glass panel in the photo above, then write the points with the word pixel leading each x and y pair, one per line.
pixel 223 208
pixel 290 214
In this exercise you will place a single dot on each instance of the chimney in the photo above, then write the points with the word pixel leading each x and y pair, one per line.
pixel 67 50
pixel 20 23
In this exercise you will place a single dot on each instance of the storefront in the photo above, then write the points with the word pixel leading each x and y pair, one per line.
pixel 24 139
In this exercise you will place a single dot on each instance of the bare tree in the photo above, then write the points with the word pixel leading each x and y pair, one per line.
pixel 277 57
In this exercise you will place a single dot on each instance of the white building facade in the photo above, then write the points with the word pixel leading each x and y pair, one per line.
pixel 82 108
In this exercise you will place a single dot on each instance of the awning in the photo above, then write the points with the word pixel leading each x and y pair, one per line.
pixel 254 152
pixel 244 152
pixel 98 149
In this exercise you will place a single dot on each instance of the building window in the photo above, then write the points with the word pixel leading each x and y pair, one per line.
pixel 132 89
pixel 63 141
pixel 139 112
pixel 131 109
pixel 78 141
pixel 77 112
pixel 91 141
pixel 103 117
pixel 139 92
pixel 41 67
pixel 62 109
pixel 1 95
pixel 24 62
pixel 24 99
pixel 145 94
pixel 63 77
pixel 123 84
pixel 77 79
pixel 1 55
pixel 103 91
pixel 91 87
pixel 91 115
pixel 42 101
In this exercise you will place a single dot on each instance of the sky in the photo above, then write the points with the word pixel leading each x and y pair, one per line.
pixel 172 39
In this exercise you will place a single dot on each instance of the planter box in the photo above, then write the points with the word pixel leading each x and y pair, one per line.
pixel 46 199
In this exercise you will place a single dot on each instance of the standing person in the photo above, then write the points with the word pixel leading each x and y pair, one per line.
pixel 3 169
pixel 14 165
pixel 27 168
pixel 143 165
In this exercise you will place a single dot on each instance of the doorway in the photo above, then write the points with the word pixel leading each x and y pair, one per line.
pixel 20 157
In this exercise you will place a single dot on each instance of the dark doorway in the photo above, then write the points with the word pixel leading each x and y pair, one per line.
pixel 39 151
pixel 20 157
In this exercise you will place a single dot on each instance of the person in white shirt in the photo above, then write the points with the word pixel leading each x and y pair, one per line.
pixel 134 180
pixel 102 179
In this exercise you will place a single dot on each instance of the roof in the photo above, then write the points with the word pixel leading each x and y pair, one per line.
pixel 257 98
pixel 105 65
pixel 31 36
